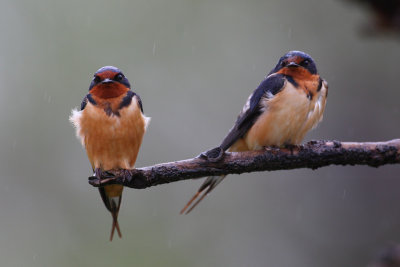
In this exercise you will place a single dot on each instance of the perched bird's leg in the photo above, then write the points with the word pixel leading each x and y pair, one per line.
pixel 97 173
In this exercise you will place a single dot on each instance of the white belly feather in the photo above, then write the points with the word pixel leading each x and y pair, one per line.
pixel 288 116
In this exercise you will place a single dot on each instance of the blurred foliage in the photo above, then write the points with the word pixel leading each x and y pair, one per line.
pixel 384 17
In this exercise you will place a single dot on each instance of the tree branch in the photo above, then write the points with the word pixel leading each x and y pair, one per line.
pixel 313 155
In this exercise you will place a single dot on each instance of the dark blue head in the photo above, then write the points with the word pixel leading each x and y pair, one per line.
pixel 294 60
pixel 109 74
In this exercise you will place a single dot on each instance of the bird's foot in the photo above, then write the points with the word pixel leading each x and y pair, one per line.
pixel 213 155
pixel 126 175
pixel 271 148
pixel 101 177
pixel 98 173
pixel 291 147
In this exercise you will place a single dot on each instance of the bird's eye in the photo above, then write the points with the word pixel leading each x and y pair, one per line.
pixel 119 77
pixel 283 63
pixel 97 79
pixel 305 62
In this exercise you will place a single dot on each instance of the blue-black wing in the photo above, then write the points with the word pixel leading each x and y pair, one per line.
pixel 272 85
pixel 127 100
pixel 87 98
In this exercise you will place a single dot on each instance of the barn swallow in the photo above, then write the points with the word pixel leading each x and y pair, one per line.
pixel 110 125
pixel 288 103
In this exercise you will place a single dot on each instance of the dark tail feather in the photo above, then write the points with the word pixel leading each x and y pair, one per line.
pixel 114 214
pixel 112 204
pixel 210 183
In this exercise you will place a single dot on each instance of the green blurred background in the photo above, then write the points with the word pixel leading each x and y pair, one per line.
pixel 193 63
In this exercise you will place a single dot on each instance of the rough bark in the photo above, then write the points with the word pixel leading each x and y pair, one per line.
pixel 313 155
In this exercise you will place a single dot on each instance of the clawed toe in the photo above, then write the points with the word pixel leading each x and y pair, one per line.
pixel 291 147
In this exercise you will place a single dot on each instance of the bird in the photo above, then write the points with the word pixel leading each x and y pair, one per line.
pixel 288 103
pixel 110 125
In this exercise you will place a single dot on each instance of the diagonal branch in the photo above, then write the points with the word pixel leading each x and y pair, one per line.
pixel 313 155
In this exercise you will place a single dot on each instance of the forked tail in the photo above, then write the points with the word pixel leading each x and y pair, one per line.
pixel 112 196
pixel 210 183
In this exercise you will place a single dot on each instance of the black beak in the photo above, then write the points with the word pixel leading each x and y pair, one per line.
pixel 107 81
pixel 292 65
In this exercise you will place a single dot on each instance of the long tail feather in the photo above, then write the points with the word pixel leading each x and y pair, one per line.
pixel 200 199
pixel 190 202
pixel 210 183
pixel 114 213
pixel 115 225
pixel 112 204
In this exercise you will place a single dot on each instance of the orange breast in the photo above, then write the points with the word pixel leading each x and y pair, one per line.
pixel 112 141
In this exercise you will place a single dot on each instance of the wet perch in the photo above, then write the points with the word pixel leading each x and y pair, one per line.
pixel 313 155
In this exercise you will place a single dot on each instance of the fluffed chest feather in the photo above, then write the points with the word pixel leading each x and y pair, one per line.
pixel 111 141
